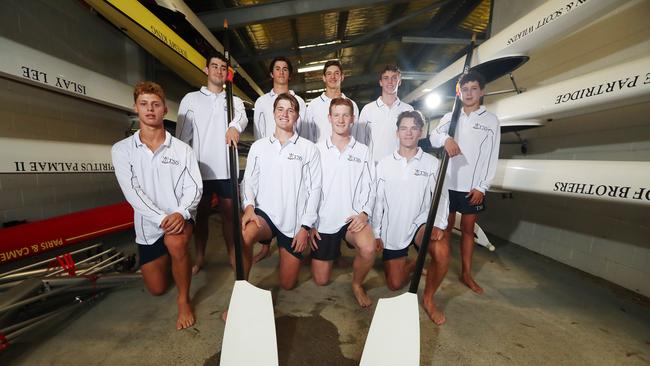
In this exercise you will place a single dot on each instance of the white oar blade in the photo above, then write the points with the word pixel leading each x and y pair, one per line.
pixel 249 336
pixel 394 336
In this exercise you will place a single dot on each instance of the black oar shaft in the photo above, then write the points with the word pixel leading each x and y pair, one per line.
pixel 437 192
pixel 233 158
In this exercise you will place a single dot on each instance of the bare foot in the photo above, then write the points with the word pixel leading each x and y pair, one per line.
pixel 264 252
pixel 198 264
pixel 437 316
pixel 469 282
pixel 224 315
pixel 185 315
pixel 361 296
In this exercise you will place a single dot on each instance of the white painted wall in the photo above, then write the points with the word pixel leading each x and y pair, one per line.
pixel 611 241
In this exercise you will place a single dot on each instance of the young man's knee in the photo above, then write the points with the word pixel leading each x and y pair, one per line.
pixel 393 283
pixel 321 279
pixel 367 251
pixel 177 245
pixel 288 284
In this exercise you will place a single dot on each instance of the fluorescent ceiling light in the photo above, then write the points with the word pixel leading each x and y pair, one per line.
pixel 315 91
pixel 310 68
pixel 319 44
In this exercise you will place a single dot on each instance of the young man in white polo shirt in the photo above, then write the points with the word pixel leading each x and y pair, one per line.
pixel 316 126
pixel 280 70
pixel 160 178
pixel 376 126
pixel 474 152
pixel 405 180
pixel 202 124
pixel 281 191
pixel 347 200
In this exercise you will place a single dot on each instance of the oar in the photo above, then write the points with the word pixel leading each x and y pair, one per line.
pixel 394 335
pixel 250 322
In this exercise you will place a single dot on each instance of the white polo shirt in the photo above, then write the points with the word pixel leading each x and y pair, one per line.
pixel 264 122
pixel 157 183
pixel 377 127
pixel 316 126
pixel 284 182
pixel 404 193
pixel 202 124
pixel 348 184
pixel 478 136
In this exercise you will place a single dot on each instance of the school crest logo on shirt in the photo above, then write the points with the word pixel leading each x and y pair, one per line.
pixel 478 126
pixel 420 173
pixel 354 159
pixel 168 160
pixel 293 156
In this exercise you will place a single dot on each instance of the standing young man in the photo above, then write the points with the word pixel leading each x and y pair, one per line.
pixel 376 125
pixel 316 126
pixel 160 178
pixel 474 152
pixel 347 200
pixel 281 191
pixel 202 124
pixel 280 70
pixel 405 180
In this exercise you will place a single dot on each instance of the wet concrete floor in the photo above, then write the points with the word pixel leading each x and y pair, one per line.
pixel 534 311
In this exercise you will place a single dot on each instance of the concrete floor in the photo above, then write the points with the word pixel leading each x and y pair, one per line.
pixel 534 311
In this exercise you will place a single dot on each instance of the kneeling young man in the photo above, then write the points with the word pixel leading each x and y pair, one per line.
pixel 160 178
pixel 405 180
pixel 347 200
pixel 281 190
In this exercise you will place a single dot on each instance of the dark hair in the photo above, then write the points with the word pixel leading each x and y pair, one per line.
pixel 214 54
pixel 290 98
pixel 148 87
pixel 473 76
pixel 329 63
pixel 390 67
pixel 416 115
pixel 281 58
pixel 341 101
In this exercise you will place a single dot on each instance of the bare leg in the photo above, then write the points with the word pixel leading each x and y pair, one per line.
pixel 364 241
pixel 439 251
pixel 289 269
pixel 321 271
pixel 467 250
pixel 181 271
pixel 201 232
pixel 225 209
pixel 264 252
pixel 155 275
pixel 397 272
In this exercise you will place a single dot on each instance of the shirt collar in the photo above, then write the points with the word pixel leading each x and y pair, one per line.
pixel 139 143
pixel 327 99
pixel 479 111
pixel 206 91
pixel 293 138
pixel 273 94
pixel 329 144
pixel 380 102
pixel 418 154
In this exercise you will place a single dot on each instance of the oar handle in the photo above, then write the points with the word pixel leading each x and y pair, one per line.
pixel 440 180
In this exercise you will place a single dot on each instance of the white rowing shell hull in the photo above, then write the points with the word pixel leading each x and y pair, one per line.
pixel 614 181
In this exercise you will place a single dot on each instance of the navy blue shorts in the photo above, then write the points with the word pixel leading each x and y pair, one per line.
pixel 388 254
pixel 148 253
pixel 329 245
pixel 458 202
pixel 220 187
pixel 283 240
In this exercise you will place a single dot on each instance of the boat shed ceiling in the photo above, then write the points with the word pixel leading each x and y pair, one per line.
pixel 364 35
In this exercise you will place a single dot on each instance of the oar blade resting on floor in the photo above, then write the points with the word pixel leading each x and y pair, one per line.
pixel 394 336
pixel 250 324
